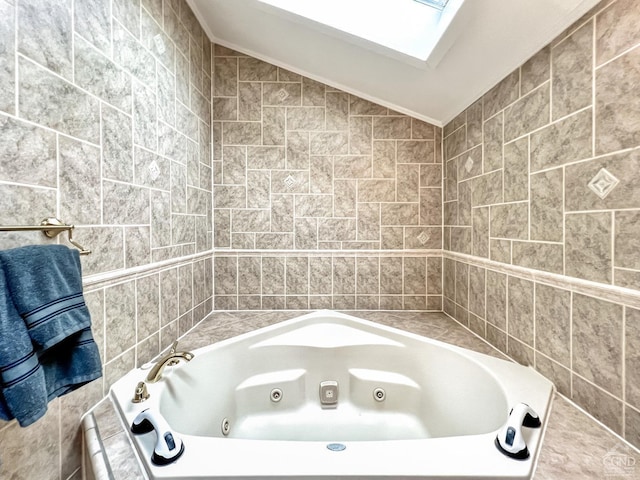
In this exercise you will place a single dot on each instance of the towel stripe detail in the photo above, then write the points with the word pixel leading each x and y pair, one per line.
pixel 85 337
pixel 19 370
pixel 51 309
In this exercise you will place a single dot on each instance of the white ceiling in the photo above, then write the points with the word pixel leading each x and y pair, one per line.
pixel 487 40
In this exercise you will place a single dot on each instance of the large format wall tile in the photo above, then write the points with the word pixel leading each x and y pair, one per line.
pixel 319 167
pixel 7 56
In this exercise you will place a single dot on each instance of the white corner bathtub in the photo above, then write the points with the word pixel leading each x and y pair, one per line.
pixel 407 406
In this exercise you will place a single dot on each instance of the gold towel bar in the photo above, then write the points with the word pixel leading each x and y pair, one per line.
pixel 51 227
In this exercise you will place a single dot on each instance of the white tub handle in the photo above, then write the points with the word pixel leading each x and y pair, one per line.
pixel 510 440
pixel 168 446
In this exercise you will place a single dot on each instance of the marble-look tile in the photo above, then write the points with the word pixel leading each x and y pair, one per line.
pixel 597 342
pixel 598 403
pixel 559 375
pixel 225 78
pixel 615 29
pixel 588 246
pixel 520 352
pixel 106 244
pixel 430 175
pixel 572 67
pixel 313 93
pixel 92 22
pixel 538 255
pixel 183 230
pixel 553 323
pixel 415 151
pixel 464 203
pixel 306 233
pixel 344 273
pixel 632 357
pixel 516 170
pixel 41 459
pixel 414 275
pixel 273 125
pixel 151 170
pixel 368 221
pixel 474 124
pixel 434 275
pixel 359 106
pixel 352 166
pixel 148 305
pixel 408 182
pixel 337 110
pixel 125 204
pixel 535 71
pixel 288 76
pixel 520 308
pixel 625 195
pixel 455 144
pixel 631 429
pixel 497 299
pixel 483 191
pixel 137 250
pixel 7 57
pixel 493 139
pixel 225 108
pixel 305 118
pixel 565 141
pixel 502 95
pixel 185 288
pixel 313 205
pixel 242 133
pixel 328 143
pixel 422 130
pixel 29 153
pixel 297 275
pixel 182 79
pixel 169 308
pixel 127 12
pixel 528 113
pixel 131 55
pixel 462 284
pixel 360 135
pixel 391 127
pixel 21 205
pixel 376 190
pixel 45 34
pixel 480 237
pixel 144 117
pixel 500 250
pixel 273 275
pixel 281 94
pixel 253 70
pixel 367 276
pixel 390 275
pixel 320 277
pixel 52 102
pixel 546 201
pixel 79 179
pixel 627 239
pixel 249 101
pixel 477 291
pixel 120 319
pixel 225 275
pixel 154 38
pixel 617 119
pixel 510 220
pixel 400 213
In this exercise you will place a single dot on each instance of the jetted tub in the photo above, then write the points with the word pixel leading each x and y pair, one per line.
pixel 328 395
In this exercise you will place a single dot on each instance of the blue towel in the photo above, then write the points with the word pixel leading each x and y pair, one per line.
pixel 23 393
pixel 44 284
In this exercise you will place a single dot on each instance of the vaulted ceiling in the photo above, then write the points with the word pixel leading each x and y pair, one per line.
pixel 486 40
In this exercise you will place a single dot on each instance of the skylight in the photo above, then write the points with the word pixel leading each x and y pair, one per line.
pixel 412 27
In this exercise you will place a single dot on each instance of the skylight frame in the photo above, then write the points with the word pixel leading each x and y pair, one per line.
pixel 437 4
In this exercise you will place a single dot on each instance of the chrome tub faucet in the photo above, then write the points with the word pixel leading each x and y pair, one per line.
pixel 170 359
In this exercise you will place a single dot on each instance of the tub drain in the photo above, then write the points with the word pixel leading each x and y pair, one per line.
pixel 379 394
pixel 225 427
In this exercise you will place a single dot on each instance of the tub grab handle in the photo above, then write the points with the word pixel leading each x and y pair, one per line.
pixel 509 439
pixel 169 446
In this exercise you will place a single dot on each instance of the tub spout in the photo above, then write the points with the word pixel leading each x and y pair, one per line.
pixel 168 446
pixel 171 358
pixel 509 440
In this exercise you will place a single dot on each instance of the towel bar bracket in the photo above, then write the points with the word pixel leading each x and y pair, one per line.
pixel 51 227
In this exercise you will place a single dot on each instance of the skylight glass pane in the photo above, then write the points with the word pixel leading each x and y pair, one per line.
pixel 439 4
pixel 401 25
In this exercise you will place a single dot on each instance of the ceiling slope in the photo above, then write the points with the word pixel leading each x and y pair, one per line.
pixel 488 40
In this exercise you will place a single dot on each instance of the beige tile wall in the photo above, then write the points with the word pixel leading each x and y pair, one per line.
pixel 518 164
pixel 96 98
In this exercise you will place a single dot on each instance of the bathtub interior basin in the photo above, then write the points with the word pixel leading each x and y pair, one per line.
pixel 270 402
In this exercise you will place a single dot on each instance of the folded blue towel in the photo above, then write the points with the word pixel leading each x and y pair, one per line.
pixel 23 392
pixel 44 285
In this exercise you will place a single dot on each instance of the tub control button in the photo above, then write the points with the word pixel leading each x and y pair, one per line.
pixel 329 393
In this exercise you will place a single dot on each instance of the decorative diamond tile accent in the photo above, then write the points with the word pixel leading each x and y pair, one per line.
pixel 154 170
pixel 282 94
pixel 289 182
pixel 468 165
pixel 423 237
pixel 603 183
